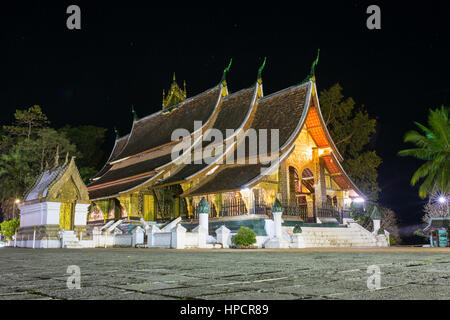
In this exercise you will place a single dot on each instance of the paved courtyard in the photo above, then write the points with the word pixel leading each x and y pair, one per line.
pixel 406 273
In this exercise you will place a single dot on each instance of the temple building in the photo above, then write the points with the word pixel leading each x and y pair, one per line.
pixel 57 203
pixel 293 159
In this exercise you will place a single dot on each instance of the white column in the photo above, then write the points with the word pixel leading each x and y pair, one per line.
pixel 376 226
pixel 34 237
pixel 202 229
pixel 277 224
pixel 277 241
pixel 203 220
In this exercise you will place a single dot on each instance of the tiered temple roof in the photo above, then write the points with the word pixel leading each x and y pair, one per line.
pixel 143 158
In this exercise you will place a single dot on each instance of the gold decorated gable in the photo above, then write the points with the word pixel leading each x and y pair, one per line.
pixel 69 186
pixel 174 96
pixel 61 184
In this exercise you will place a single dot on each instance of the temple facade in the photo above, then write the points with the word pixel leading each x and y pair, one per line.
pixel 274 146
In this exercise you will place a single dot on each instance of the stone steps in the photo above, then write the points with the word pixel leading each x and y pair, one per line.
pixel 70 240
pixel 335 237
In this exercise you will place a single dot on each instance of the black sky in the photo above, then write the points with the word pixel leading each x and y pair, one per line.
pixel 126 53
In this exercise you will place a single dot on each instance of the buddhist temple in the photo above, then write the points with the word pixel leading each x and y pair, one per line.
pixel 56 204
pixel 298 163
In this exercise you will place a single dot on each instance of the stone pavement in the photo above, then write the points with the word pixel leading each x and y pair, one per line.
pixel 406 273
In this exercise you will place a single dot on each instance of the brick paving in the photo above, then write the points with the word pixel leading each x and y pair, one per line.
pixel 156 274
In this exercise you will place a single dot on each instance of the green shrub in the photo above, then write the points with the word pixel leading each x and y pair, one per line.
pixel 380 231
pixel 391 240
pixel 297 229
pixel 9 228
pixel 244 237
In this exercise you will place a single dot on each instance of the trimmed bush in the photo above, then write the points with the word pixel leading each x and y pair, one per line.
pixel 244 237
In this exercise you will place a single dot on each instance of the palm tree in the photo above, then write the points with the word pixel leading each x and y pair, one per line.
pixel 433 146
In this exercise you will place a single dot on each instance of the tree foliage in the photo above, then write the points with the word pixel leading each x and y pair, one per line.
pixel 89 141
pixel 9 228
pixel 433 147
pixel 27 122
pixel 28 146
pixel 352 130
pixel 16 175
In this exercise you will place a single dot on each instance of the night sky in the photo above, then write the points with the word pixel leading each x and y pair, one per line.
pixel 126 53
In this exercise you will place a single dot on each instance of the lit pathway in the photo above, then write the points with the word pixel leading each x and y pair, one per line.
pixel 406 273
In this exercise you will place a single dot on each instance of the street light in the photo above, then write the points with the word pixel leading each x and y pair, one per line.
pixel 359 200
pixel 16 202
pixel 442 199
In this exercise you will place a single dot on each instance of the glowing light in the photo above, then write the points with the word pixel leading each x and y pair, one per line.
pixel 359 200
pixel 17 201
pixel 442 199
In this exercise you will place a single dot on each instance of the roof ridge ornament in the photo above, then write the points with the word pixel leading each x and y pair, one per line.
pixel 224 76
pixel 116 132
pixel 67 159
pixel 135 117
pixel 55 165
pixel 174 96
pixel 259 78
pixel 312 73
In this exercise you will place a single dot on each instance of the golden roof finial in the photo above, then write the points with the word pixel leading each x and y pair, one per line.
pixel 175 95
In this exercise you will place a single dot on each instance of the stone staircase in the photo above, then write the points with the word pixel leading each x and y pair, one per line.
pixel 70 240
pixel 352 235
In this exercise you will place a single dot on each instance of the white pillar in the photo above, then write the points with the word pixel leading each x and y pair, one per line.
pixel 34 237
pixel 203 220
pixel 202 229
pixel 178 237
pixel 277 224
pixel 15 240
pixel 223 236
pixel 376 226
pixel 277 241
